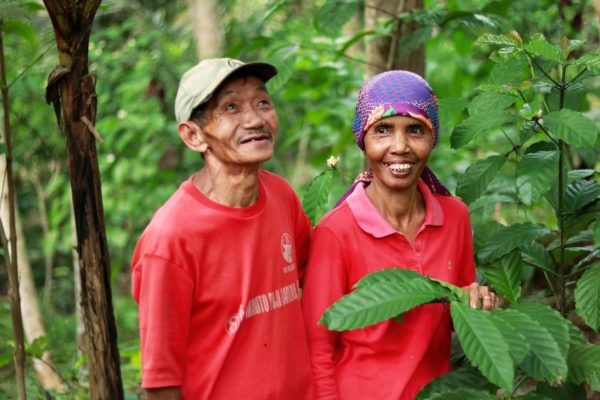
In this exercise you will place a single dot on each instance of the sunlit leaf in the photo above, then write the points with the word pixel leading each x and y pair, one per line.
pixel 476 178
pixel 587 297
pixel 379 302
pixel 541 47
pixel 502 40
pixel 536 172
pixel 483 344
pixel 504 275
pixel 572 127
pixel 509 238
pixel 316 194
pixel 477 124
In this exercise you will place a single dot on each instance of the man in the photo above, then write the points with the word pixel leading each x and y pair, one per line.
pixel 216 273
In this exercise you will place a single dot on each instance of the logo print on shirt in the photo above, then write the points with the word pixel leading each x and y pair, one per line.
pixel 233 323
pixel 286 247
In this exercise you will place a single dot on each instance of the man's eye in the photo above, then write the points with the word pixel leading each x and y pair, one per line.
pixel 264 103
pixel 230 106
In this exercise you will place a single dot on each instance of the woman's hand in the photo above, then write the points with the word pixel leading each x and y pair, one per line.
pixel 477 292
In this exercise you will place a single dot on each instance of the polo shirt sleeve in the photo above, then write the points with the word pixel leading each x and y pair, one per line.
pixel 164 294
pixel 324 284
pixel 467 262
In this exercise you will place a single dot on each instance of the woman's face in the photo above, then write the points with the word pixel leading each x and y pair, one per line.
pixel 398 148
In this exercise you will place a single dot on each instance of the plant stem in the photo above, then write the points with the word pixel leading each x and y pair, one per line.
pixel 561 195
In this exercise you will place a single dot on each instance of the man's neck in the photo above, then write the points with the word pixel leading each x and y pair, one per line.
pixel 234 186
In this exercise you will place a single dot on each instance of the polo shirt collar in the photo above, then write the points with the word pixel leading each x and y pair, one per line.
pixel 371 221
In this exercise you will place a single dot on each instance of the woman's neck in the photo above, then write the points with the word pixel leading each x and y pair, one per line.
pixel 404 210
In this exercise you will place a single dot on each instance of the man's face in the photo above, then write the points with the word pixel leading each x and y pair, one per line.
pixel 241 124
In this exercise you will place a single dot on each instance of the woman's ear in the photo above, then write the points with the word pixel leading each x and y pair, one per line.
pixel 191 134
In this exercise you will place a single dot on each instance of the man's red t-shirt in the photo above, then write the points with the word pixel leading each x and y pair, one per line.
pixel 219 298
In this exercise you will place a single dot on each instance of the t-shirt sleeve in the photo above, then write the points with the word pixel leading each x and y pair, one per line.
pixel 324 284
pixel 302 236
pixel 164 294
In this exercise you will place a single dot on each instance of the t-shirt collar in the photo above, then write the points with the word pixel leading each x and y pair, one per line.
pixel 371 221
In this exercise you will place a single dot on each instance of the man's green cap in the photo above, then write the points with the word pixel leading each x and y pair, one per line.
pixel 199 83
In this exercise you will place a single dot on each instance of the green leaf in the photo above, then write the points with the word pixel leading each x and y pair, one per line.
pixel 449 109
pixel 562 392
pixel 316 195
pixel 477 177
pixel 476 125
pixel 517 343
pixel 483 344
pixel 587 297
pixel 459 293
pixel 590 61
pixel 535 254
pixel 580 194
pixel 379 302
pixel 501 40
pixel 541 47
pixel 575 334
pixel 536 172
pixel 572 127
pixel 545 361
pixel 414 40
pixel 509 238
pixel 334 14
pixel 596 232
pixel 577 174
pixel 511 70
pixel 584 363
pixel 20 28
pixel 396 275
pixel 284 59
pixel 486 101
pixel 551 320
pixel 462 378
pixel 462 394
pixel 505 275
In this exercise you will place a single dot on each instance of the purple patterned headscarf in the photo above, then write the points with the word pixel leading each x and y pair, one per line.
pixel 396 93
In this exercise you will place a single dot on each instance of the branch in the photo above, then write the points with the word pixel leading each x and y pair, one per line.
pixel 532 58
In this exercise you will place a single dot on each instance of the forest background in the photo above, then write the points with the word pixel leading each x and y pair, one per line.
pixel 323 49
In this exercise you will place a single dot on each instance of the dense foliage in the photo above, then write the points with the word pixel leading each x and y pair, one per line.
pixel 506 167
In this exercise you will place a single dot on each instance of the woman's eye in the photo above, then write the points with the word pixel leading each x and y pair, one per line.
pixel 381 130
pixel 417 130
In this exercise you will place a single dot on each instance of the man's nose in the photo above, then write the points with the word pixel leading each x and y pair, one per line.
pixel 253 118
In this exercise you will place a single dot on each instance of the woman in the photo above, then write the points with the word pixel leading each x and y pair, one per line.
pixel 396 215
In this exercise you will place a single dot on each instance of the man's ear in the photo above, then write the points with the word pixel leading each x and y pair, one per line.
pixel 192 136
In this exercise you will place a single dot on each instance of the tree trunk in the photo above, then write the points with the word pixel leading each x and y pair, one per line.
pixel 70 85
pixel 32 321
pixel 205 21
pixel 382 53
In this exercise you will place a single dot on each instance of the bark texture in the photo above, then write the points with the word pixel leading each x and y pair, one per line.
pixel 207 30
pixel 72 91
